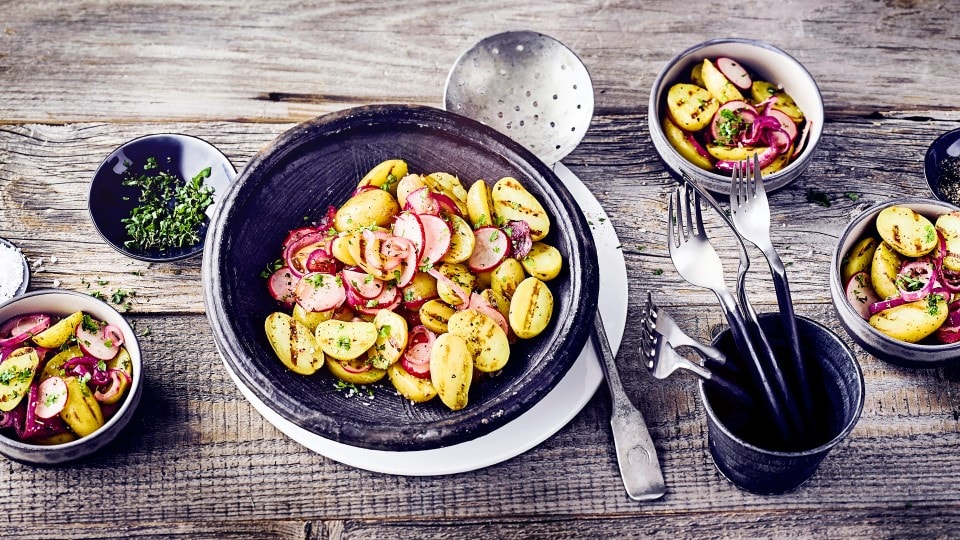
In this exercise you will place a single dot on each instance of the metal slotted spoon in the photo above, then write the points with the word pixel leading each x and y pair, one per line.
pixel 536 91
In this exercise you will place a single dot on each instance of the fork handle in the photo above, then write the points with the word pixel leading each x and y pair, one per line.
pixel 789 320
pixel 636 454
pixel 745 346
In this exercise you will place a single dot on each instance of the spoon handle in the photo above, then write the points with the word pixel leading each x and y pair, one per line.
pixel 636 454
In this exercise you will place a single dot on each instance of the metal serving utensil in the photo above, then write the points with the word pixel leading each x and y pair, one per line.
pixel 536 91
pixel 750 212
pixel 698 263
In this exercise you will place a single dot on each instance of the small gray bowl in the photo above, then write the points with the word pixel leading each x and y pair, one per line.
pixel 25 274
pixel 62 303
pixel 880 345
pixel 767 61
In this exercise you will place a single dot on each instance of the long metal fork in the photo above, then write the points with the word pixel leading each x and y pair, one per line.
pixel 662 360
pixel 698 263
pixel 750 213
pixel 658 321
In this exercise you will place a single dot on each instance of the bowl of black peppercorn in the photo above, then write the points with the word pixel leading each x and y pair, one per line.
pixel 941 167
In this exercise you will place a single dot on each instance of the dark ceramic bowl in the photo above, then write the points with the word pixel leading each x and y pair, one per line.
pixel 61 303
pixel 110 202
pixel 24 275
pixel 926 354
pixel 946 148
pixel 739 440
pixel 319 163
pixel 769 62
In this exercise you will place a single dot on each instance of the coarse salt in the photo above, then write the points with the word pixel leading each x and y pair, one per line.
pixel 11 271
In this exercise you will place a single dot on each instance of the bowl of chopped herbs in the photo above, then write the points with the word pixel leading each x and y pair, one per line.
pixel 151 198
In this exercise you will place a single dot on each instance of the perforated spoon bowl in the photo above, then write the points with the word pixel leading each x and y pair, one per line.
pixel 536 91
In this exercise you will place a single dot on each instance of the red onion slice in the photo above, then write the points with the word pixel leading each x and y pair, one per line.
pixel 912 273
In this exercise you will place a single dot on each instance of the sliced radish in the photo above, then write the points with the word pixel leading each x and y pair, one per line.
pixel 320 292
pixel 20 329
pixel 320 260
pixel 421 201
pixel 362 283
pixel 102 342
pixel 798 149
pixel 388 299
pixel 786 123
pixel 437 237
pixel 52 397
pixel 394 250
pixel 520 240
pixel 860 294
pixel 282 285
pixel 416 359
pixel 480 304
pixel 296 253
pixel 408 225
pixel 736 73
pixel 491 248
pixel 766 157
pixel 447 205
pixel 352 366
pixel 721 118
pixel 408 269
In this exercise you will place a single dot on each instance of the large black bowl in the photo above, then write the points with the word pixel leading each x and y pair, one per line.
pixel 318 163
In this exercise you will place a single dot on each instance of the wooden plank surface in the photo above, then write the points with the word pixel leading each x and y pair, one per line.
pixel 79 78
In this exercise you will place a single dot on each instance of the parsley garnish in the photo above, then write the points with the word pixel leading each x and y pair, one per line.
pixel 818 197
pixel 170 212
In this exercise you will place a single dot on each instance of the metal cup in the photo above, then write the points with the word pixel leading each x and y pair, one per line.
pixel 743 444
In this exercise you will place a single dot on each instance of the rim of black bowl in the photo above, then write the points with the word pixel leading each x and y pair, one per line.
pixel 25 278
pixel 714 182
pixel 108 201
pixel 936 152
pixel 417 429
pixel 862 326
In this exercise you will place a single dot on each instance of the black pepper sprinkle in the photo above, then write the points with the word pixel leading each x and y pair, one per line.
pixel 950 179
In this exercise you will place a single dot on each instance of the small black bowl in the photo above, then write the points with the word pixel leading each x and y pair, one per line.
pixel 318 163
pixel 943 150
pixel 183 156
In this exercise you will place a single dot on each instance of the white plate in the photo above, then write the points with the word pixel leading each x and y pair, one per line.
pixel 531 428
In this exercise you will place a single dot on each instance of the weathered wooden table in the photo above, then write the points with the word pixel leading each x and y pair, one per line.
pixel 77 78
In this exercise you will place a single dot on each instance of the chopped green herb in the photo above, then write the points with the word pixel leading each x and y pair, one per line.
pixel 89 324
pixel 169 211
pixel 271 268
pixel 852 196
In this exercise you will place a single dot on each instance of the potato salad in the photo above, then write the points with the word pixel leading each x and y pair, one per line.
pixel 415 279
pixel 906 279
pixel 723 115
pixel 60 379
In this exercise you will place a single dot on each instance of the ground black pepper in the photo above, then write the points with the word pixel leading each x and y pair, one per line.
pixel 950 179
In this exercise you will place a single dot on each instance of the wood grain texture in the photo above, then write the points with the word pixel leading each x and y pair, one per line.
pixel 78 78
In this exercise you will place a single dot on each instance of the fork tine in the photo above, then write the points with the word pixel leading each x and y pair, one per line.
pixel 698 212
pixel 672 220
pixel 758 189
pixel 650 313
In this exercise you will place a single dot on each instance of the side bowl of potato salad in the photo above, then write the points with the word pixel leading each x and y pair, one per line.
pixel 70 376
pixel 399 278
pixel 726 100
pixel 895 282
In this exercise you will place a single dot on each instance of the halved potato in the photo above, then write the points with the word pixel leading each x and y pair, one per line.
pixel 530 308
pixel 462 241
pixel 479 205
pixel 451 370
pixel 413 388
pixel 16 374
pixel 345 340
pixel 884 269
pixel 544 261
pixel 354 372
pixel 59 333
pixel 385 175
pixel 391 339
pixel 858 259
pixel 906 231
pixel 486 340
pixel 512 201
pixel 293 344
pixel 913 321
pixel 718 84
pixel 691 108
pixel 680 140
